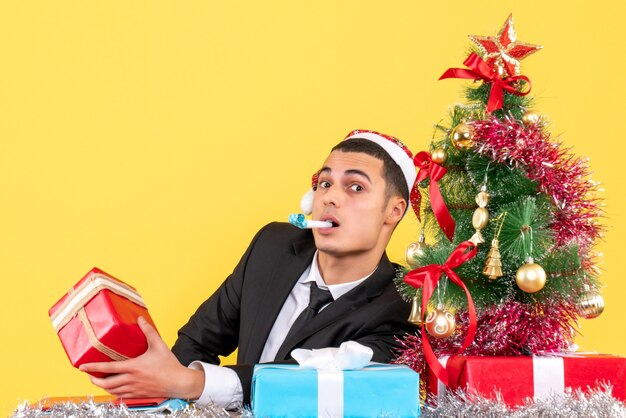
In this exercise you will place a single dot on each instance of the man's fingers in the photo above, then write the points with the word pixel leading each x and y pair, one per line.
pixel 152 336
pixel 110 367
pixel 121 386
pixel 111 384
pixel 126 393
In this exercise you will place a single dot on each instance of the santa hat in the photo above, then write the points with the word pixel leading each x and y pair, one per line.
pixel 393 146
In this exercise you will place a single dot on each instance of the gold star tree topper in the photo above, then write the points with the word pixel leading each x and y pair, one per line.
pixel 503 52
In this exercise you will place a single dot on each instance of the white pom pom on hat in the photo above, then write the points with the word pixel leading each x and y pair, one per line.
pixel 306 203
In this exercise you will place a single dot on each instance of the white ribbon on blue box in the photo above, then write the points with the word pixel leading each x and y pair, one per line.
pixel 335 382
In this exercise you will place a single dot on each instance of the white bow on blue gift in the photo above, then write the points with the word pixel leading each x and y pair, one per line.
pixel 349 355
pixel 330 363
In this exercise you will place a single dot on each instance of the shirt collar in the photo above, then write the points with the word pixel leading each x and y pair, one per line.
pixel 337 290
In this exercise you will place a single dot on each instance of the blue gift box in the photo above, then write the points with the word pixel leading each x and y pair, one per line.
pixel 377 390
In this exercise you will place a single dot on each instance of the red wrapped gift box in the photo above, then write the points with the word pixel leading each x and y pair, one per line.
pixel 519 378
pixel 97 320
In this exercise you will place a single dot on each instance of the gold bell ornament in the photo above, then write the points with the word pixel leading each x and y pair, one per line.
pixel 480 219
pixel 590 305
pixel 493 265
pixel 440 323
pixel 530 277
pixel 462 136
pixel 416 312
pixel 415 250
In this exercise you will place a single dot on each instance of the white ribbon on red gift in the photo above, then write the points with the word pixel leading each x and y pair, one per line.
pixel 548 377
pixel 79 296
pixel 441 387
pixel 330 363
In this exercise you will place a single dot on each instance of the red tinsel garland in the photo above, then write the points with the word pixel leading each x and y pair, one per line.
pixel 559 174
pixel 510 329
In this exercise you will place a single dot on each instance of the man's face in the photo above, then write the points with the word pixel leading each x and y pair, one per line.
pixel 351 194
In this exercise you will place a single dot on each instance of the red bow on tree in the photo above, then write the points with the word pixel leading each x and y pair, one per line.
pixel 479 70
pixel 427 278
pixel 428 168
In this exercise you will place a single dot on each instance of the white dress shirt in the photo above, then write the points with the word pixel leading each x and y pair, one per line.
pixel 222 386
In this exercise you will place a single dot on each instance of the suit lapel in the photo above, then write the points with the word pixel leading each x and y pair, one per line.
pixel 284 276
pixel 351 301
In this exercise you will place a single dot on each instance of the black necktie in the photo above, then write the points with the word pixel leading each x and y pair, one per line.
pixel 318 299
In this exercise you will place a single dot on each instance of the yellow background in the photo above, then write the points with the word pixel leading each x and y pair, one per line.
pixel 153 138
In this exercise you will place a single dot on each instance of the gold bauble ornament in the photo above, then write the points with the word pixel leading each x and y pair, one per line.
pixel 482 198
pixel 440 323
pixel 480 219
pixel 530 277
pixel 477 238
pixel 414 250
pixel 439 156
pixel 462 136
pixel 590 305
pixel 530 118
pixel 416 312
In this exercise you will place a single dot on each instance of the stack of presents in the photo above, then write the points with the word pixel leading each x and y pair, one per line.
pixel 96 321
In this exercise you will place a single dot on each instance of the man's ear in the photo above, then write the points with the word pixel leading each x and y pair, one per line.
pixel 395 209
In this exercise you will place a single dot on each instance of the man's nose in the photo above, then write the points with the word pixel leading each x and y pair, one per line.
pixel 332 196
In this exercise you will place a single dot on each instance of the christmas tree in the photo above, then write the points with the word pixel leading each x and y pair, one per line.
pixel 504 265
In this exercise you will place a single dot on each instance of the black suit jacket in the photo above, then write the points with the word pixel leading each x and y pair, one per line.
pixel 241 313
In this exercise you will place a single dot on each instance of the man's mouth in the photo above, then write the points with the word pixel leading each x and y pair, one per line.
pixel 330 219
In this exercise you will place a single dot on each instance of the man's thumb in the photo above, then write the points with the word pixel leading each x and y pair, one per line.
pixel 152 336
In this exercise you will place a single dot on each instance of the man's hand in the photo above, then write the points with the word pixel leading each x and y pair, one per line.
pixel 155 373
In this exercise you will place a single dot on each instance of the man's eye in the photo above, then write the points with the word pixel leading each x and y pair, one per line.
pixel 356 188
pixel 323 184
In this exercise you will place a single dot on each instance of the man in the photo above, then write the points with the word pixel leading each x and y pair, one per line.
pixel 261 309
